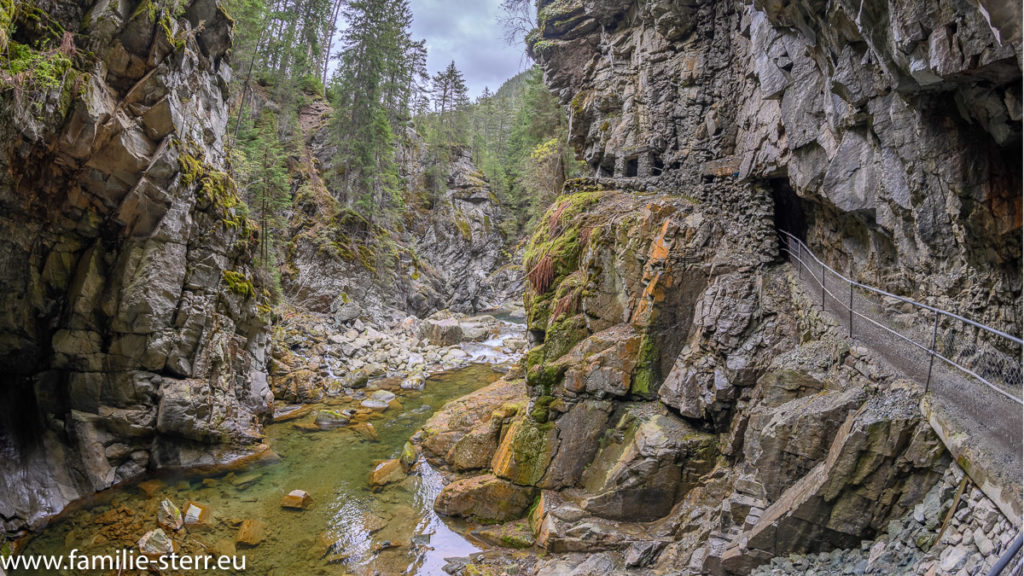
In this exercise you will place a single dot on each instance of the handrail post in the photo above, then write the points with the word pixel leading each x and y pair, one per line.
pixel 851 309
pixel 800 259
pixel 822 287
pixel 931 363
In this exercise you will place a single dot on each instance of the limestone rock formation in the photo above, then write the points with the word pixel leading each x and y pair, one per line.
pixel 130 336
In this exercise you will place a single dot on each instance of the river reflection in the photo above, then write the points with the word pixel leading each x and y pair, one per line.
pixel 350 529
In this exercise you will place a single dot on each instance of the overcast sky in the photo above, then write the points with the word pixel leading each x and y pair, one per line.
pixel 468 32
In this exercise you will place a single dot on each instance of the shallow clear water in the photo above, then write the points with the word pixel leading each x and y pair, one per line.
pixel 349 530
pixel 496 350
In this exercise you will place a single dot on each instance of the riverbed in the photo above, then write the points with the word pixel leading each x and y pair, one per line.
pixel 348 529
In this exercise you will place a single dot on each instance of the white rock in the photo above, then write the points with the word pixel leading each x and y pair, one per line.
pixel 954 558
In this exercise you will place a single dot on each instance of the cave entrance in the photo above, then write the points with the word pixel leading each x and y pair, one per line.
pixel 789 209
pixel 659 166
pixel 632 167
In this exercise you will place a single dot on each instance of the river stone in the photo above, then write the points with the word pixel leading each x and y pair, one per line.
pixel 250 533
pixel 382 396
pixel 330 419
pixel 156 543
pixel 387 472
pixel 197 514
pixel 414 382
pixel 486 498
pixel 445 332
pixel 169 516
pixel 151 487
pixel 297 500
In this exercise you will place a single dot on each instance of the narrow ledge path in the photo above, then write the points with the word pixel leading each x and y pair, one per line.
pixel 980 427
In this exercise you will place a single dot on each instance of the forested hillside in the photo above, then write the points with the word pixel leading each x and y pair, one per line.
pixel 374 101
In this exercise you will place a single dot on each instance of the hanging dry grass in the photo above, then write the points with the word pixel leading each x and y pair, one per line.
pixel 542 274
pixel 67 44
pixel 555 219
pixel 568 304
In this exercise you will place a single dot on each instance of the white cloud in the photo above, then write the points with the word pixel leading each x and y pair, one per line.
pixel 470 33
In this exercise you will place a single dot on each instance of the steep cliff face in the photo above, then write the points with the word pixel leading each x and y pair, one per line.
pixel 687 406
pixel 451 254
pixel 889 132
pixel 681 391
pixel 130 336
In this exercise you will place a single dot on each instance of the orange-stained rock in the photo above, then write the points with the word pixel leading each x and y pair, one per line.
pixel 387 472
pixel 486 498
pixel 151 487
pixel 196 514
pixel 251 533
pixel 297 500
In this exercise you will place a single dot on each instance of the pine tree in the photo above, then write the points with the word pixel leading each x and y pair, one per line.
pixel 381 70
pixel 450 100
pixel 259 167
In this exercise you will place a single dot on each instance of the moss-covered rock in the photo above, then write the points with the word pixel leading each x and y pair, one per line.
pixel 525 452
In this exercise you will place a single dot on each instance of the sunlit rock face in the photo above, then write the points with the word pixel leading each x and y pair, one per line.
pixel 129 333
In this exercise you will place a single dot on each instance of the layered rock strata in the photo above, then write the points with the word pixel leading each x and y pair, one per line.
pixel 889 134
pixel 130 334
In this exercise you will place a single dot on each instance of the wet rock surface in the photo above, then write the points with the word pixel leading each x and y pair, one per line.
pixel 131 334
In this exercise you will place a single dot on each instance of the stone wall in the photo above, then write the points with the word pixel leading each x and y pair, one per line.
pixel 130 334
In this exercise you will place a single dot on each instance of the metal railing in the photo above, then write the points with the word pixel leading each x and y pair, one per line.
pixel 913 334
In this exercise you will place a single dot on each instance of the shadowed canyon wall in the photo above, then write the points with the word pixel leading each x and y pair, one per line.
pixel 130 334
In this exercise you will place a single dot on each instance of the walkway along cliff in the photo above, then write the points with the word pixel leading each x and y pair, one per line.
pixel 689 407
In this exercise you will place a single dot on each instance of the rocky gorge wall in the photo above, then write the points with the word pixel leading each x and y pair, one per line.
pixel 889 132
pixel 130 333
pixel 451 254
pixel 686 406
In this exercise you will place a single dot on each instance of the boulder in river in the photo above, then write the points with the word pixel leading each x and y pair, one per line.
pixel 379 400
pixel 331 419
pixel 251 533
pixel 366 430
pixel 409 456
pixel 156 543
pixel 446 332
pixel 387 472
pixel 486 498
pixel 297 500
pixel 168 516
pixel 415 381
